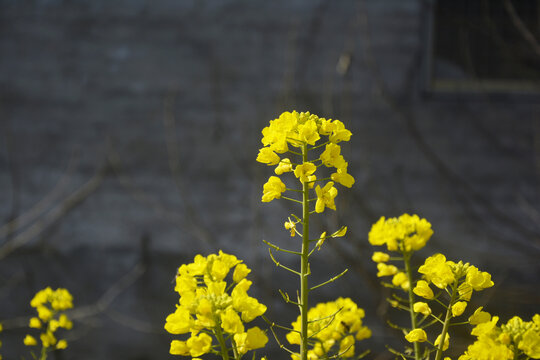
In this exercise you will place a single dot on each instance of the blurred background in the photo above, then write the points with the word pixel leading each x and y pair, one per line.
pixel 129 132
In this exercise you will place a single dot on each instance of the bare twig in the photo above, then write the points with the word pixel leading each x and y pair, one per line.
pixel 133 323
pixel 110 295
pixel 54 215
pixel 40 207
pixel 176 218
pixel 100 306
pixel 521 27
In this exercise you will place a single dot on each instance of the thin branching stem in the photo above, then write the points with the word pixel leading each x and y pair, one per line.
pixel 408 270
pixel 329 281
pixel 438 355
pixel 275 247
pixel 304 265
pixel 280 265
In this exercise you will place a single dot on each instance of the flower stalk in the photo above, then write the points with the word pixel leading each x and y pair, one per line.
pixel 448 316
pixel 304 266
pixel 408 271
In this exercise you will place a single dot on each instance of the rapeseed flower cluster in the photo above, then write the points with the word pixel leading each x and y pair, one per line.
pixel 333 330
pixel 50 306
pixel 404 234
pixel 513 340
pixel 457 279
pixel 441 273
pixel 209 308
pixel 303 131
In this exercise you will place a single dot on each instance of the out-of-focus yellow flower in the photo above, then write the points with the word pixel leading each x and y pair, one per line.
pixel 268 156
pixel 530 343
pixel 29 340
pixel 437 271
pixel 331 156
pixel 50 306
pixel 34 323
pixel 240 272
pixel 47 339
pixel 273 189
pixel 446 341
pixel 386 270
pixel 422 307
pixel 422 289
pixel 416 335
pixel 179 348
pixel 44 313
pixel 458 308
pixel 401 279
pixel 284 166
pixel 199 344
pixel 477 279
pixel 179 322
pixel 339 133
pixel 231 322
pixel 380 257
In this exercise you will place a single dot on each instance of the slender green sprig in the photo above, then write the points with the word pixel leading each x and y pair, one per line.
pixel 446 324
pixel 304 267
pixel 408 271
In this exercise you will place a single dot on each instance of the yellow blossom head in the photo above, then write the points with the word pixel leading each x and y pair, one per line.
pixel 208 305
pixel 404 234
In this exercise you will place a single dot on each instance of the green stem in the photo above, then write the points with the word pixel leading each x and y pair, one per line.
pixel 304 266
pixel 407 261
pixel 447 318
pixel 221 340
pixel 43 355
pixel 237 356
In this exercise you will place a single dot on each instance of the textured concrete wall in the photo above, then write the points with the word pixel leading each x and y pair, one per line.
pixel 137 123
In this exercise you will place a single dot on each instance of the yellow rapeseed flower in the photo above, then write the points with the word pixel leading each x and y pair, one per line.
pixel 416 335
pixel 379 256
pixel 386 270
pixel 446 341
pixel 284 166
pixel 422 289
pixel 341 176
pixel 273 189
pixel 268 156
pixel 302 172
pixel 34 323
pixel 335 326
pixel 437 271
pixel 422 307
pixel 325 197
pixel 458 308
pixel 331 156
pixel 29 340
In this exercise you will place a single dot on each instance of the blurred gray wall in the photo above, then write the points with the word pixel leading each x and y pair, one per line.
pixel 129 131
